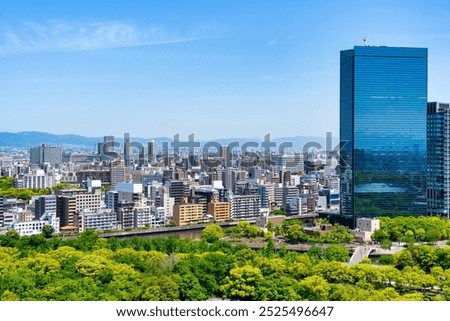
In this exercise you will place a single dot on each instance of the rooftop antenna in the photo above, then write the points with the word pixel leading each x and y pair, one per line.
pixel 365 41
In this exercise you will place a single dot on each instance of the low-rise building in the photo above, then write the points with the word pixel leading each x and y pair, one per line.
pixel 245 207
pixel 36 226
pixel 184 214
pixel 36 179
pixel 143 216
pixel 365 227
pixel 99 220
pixel 220 211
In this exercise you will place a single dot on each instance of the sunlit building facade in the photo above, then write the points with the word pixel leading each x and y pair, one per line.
pixel 438 159
pixel 383 106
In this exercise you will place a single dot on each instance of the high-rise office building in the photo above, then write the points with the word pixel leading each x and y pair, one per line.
pixel 152 150
pixel 383 99
pixel 438 159
pixel 106 146
pixel 126 149
pixel 44 204
pixel 177 190
pixel 46 154
pixel 69 204
pixel 112 200
pixel 118 175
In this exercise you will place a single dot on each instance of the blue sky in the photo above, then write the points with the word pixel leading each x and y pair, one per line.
pixel 219 68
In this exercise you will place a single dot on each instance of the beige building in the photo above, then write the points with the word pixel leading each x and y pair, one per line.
pixel 67 206
pixel 365 227
pixel 184 214
pixel 220 211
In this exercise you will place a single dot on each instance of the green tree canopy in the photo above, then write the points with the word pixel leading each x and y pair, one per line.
pixel 212 233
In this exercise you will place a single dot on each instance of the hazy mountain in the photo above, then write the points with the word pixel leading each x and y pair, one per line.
pixel 29 139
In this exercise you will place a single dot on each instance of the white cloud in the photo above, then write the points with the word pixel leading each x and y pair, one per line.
pixel 57 35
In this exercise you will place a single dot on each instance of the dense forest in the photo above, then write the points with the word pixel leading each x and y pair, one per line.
pixel 92 268
pixel 410 229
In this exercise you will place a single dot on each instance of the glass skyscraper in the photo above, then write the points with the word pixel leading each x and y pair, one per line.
pixel 383 127
pixel 438 158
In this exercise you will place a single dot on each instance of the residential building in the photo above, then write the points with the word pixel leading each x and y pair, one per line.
pixel 99 220
pixel 130 192
pixel 159 214
pixel 43 204
pixel 220 211
pixel 37 179
pixel 6 161
pixel 118 175
pixel 245 207
pixel 125 214
pixel 263 194
pixel 168 204
pixel 289 192
pixel 66 209
pixel 35 227
pixel 112 199
pixel 70 204
pixel 144 217
pixel 185 214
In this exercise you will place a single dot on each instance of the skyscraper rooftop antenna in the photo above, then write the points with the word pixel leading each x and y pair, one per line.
pixel 365 41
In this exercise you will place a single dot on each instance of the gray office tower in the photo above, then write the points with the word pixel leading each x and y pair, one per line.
pixel 106 146
pixel 438 159
pixel 46 154
pixel 44 204
pixel 176 190
pixel 383 103
pixel 126 149
pixel 152 150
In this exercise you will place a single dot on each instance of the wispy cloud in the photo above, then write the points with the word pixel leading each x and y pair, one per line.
pixel 59 35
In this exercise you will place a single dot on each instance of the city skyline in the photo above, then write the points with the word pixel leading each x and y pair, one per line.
pixel 215 70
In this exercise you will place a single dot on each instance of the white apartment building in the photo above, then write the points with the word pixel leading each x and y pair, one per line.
pixel 37 179
pixel 35 227
pixel 245 206
pixel 99 220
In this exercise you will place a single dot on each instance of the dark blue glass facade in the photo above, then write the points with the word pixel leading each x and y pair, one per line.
pixel 383 112
pixel 438 159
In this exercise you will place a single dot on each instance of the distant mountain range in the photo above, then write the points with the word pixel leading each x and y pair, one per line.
pixel 30 139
